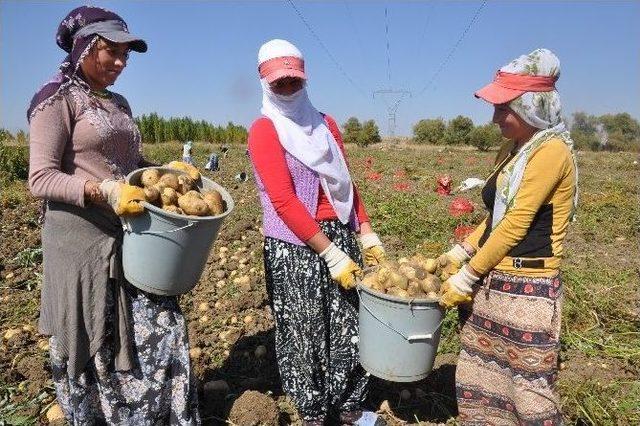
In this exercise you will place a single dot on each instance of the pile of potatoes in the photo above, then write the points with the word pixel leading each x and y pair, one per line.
pixel 180 194
pixel 416 278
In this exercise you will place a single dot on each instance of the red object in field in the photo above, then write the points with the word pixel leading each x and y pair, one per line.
pixel 460 206
pixel 463 231
pixel 374 176
pixel 402 186
pixel 444 185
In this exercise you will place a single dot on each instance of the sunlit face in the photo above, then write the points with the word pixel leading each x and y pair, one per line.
pixel 286 85
pixel 511 125
pixel 104 63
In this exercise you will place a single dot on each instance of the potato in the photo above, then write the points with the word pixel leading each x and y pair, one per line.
pixel 169 180
pixel 193 205
pixel 433 295
pixel 369 281
pixel 151 194
pixel 384 272
pixel 150 177
pixel 398 292
pixel 414 287
pixel 430 265
pixel 407 270
pixel 214 201
pixel 430 284
pixel 421 273
pixel 169 196
pixel 213 195
pixel 398 280
pixel 185 184
pixel 173 209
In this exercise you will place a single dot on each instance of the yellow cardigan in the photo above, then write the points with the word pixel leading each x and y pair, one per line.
pixel 549 181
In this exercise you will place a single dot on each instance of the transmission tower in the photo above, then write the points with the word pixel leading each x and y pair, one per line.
pixel 392 107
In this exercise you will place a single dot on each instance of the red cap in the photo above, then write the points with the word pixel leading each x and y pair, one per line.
pixel 507 86
pixel 283 66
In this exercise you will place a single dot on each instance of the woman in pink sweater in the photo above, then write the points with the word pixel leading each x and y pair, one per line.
pixel 311 210
pixel 118 355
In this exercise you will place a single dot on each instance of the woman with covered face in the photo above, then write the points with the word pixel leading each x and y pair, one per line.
pixel 507 369
pixel 118 354
pixel 311 210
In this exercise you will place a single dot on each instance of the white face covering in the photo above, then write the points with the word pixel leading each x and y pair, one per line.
pixel 304 134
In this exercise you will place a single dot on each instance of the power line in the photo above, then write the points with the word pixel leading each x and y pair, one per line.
pixel 474 18
pixel 454 48
pixel 358 37
pixel 386 32
pixel 324 47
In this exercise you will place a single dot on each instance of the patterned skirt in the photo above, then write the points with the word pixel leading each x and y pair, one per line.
pixel 316 326
pixel 159 391
pixel 508 364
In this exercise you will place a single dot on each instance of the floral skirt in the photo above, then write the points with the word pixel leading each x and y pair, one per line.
pixel 159 391
pixel 316 326
pixel 507 369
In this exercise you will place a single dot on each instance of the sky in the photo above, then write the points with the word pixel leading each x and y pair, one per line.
pixel 202 57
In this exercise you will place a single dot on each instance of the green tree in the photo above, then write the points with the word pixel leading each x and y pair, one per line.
pixel 458 130
pixel 623 132
pixel 369 134
pixel 429 131
pixel 584 131
pixel 5 135
pixel 484 137
pixel 350 130
pixel 22 137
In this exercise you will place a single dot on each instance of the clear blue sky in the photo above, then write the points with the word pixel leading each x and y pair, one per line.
pixel 202 55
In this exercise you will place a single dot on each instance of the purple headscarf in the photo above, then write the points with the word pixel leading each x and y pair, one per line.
pixel 78 45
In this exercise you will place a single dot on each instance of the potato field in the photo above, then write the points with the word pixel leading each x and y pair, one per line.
pixel 231 326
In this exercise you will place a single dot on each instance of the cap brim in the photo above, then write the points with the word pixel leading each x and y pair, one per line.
pixel 278 74
pixel 495 94
pixel 135 43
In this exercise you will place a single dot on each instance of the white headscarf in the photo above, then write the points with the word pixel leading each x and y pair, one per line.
pixel 304 134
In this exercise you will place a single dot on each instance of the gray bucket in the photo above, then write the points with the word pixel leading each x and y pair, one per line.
pixel 165 253
pixel 398 337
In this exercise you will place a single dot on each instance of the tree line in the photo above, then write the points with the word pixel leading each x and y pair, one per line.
pixel 608 132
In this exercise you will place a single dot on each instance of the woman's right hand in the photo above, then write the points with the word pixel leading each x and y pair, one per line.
pixel 92 192
pixel 342 268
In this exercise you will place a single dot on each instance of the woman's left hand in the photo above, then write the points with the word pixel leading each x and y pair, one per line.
pixel 372 248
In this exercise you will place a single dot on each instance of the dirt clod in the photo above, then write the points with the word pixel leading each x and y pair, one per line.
pixel 254 408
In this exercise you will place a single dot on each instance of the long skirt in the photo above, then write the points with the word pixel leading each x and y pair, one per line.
pixel 160 390
pixel 508 364
pixel 316 326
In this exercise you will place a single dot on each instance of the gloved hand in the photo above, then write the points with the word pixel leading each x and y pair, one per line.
pixel 191 170
pixel 342 268
pixel 450 262
pixel 372 249
pixel 125 199
pixel 457 289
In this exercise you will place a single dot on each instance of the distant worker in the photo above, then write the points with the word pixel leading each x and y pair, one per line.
pixel 212 164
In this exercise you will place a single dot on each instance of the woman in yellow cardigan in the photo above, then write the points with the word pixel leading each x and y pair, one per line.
pixel 510 339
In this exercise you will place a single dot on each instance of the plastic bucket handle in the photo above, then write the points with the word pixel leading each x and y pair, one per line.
pixel 412 338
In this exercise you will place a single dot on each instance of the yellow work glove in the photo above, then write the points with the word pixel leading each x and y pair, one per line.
pixel 450 263
pixel 125 199
pixel 191 170
pixel 457 289
pixel 342 268
pixel 372 249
